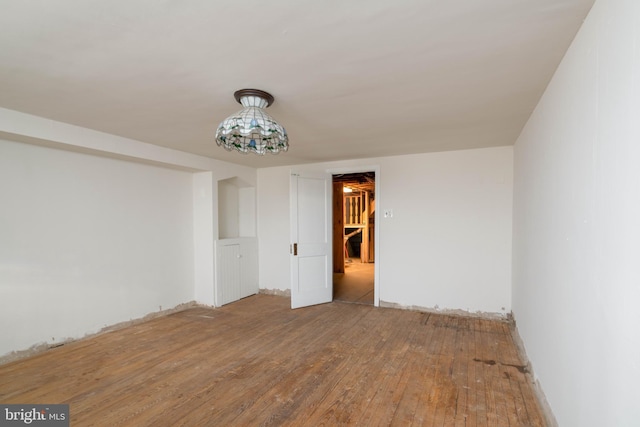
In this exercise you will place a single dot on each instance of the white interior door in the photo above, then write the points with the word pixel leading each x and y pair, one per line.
pixel 311 259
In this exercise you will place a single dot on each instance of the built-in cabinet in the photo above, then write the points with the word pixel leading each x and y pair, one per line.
pixel 236 250
pixel 236 269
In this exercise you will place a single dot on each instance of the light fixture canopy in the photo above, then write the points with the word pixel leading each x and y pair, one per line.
pixel 252 130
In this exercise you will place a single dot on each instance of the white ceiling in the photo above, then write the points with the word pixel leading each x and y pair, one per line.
pixel 351 79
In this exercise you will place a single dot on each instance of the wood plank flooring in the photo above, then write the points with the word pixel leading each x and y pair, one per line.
pixel 355 284
pixel 256 362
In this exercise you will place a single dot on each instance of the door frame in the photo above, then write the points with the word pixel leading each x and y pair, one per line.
pixel 376 225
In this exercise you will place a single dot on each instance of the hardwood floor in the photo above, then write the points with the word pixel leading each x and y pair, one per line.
pixel 355 284
pixel 256 362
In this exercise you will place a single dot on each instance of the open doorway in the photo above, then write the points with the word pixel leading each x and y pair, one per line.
pixel 353 237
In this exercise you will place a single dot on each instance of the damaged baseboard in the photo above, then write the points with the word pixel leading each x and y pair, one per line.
pixel 278 292
pixel 42 347
pixel 448 312
pixel 547 413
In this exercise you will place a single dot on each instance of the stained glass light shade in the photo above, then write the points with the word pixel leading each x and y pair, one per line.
pixel 252 130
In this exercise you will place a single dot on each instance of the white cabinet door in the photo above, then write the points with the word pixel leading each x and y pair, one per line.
pixel 228 273
pixel 236 269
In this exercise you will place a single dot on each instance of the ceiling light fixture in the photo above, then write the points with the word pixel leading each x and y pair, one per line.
pixel 252 130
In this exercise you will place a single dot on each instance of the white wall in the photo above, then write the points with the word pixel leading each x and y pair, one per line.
pixel 205 232
pixel 228 212
pixel 87 242
pixel 273 228
pixel 115 228
pixel 247 212
pixel 448 244
pixel 576 282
